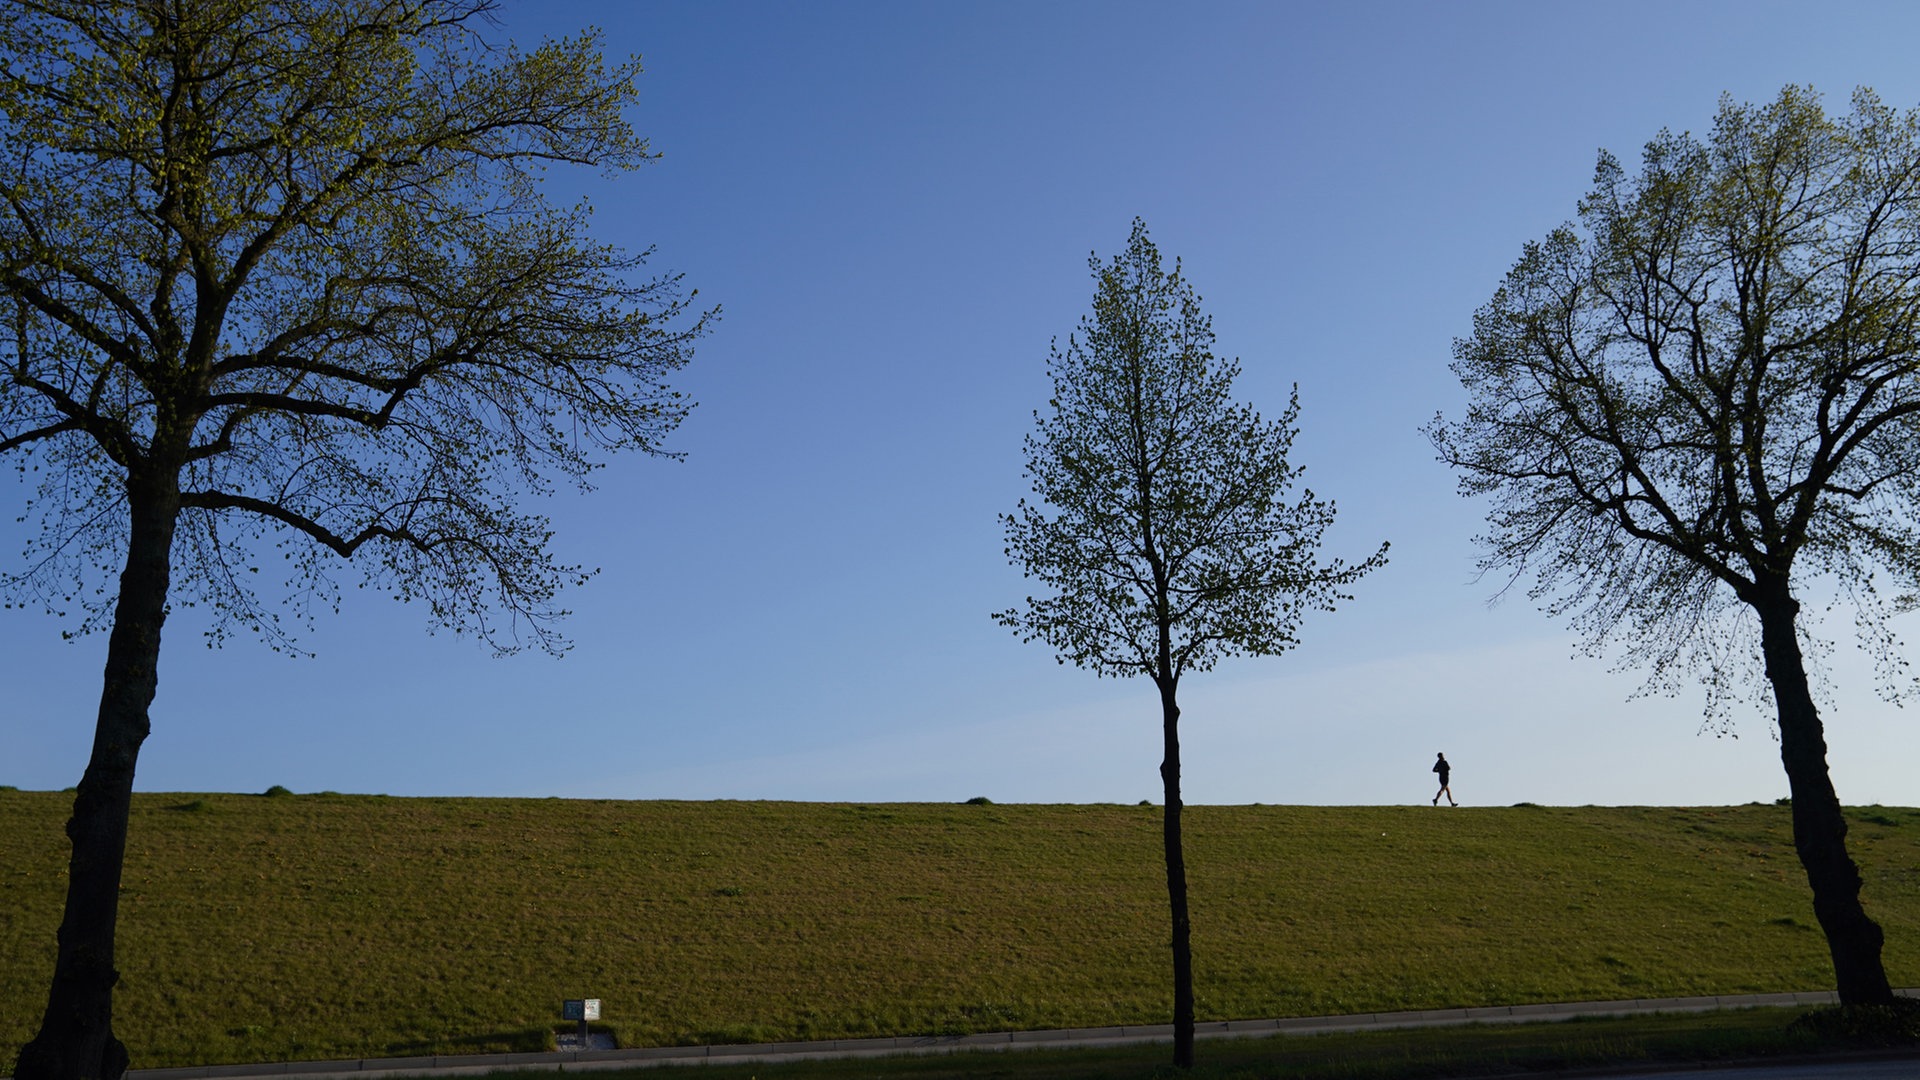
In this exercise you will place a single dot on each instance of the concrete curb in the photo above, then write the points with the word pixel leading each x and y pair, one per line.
pixel 643 1057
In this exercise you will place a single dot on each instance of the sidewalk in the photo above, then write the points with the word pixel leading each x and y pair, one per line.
pixel 573 1061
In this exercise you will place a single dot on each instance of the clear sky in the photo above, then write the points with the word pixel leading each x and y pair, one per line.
pixel 894 203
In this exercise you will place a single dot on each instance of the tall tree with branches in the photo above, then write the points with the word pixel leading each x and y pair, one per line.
pixel 278 276
pixel 1162 526
pixel 1703 397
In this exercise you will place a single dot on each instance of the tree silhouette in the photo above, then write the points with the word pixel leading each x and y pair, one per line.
pixel 1700 397
pixel 1161 530
pixel 279 278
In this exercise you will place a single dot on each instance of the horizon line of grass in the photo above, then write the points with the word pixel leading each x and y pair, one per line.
pixel 280 791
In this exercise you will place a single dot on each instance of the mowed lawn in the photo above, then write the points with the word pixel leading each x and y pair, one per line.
pixel 259 928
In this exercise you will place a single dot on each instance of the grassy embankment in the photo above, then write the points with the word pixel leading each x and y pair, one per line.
pixel 321 926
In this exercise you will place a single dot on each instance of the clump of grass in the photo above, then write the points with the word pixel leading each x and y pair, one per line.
pixel 533 1040
pixel 734 1035
pixel 276 791
pixel 1897 1024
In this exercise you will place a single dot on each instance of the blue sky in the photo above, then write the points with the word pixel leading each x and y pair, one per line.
pixel 894 203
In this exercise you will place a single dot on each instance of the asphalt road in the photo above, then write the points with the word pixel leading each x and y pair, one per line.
pixel 472 1065
pixel 1906 1069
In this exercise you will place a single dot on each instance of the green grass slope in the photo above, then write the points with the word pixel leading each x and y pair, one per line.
pixel 265 928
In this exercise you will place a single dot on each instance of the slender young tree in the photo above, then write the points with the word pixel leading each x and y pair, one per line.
pixel 1162 528
pixel 278 277
pixel 1702 397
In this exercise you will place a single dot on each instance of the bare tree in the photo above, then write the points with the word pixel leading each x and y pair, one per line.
pixel 1704 395
pixel 1162 530
pixel 279 277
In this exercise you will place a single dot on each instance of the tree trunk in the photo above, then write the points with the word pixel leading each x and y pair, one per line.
pixel 1819 827
pixel 76 1039
pixel 1177 880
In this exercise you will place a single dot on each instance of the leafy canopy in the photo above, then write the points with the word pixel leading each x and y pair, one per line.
pixel 1161 506
pixel 1707 387
pixel 292 260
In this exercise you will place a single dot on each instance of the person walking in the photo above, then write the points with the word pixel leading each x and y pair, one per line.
pixel 1440 766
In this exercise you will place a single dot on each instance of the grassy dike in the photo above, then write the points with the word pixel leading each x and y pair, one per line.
pixel 259 928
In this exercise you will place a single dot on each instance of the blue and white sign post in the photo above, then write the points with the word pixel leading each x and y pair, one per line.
pixel 583 1010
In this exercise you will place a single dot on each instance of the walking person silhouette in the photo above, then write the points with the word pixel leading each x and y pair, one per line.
pixel 1440 766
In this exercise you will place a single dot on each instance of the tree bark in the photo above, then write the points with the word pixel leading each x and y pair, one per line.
pixel 76 1040
pixel 1176 879
pixel 1819 827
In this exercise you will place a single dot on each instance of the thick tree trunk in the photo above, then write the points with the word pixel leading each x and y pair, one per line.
pixel 76 1039
pixel 1177 880
pixel 1819 828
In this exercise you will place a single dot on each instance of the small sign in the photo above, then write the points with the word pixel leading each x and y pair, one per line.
pixel 581 1009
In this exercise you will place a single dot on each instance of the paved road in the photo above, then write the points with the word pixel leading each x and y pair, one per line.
pixel 576 1061
pixel 1908 1069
